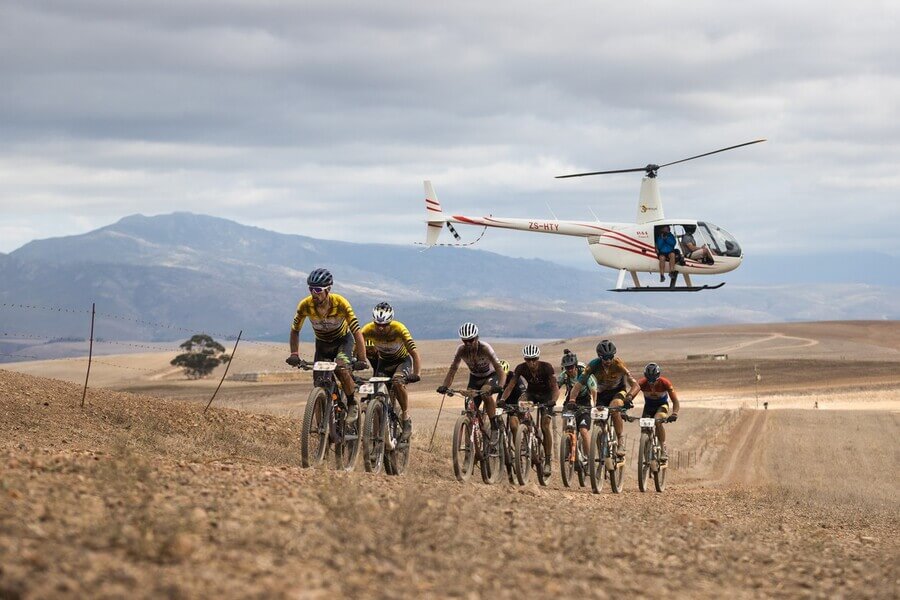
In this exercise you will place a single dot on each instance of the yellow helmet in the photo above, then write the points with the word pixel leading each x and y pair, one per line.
pixel 505 366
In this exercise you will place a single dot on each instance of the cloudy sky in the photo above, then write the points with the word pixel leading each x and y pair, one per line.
pixel 323 118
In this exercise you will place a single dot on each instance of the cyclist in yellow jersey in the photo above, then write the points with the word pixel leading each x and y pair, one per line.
pixel 397 356
pixel 337 332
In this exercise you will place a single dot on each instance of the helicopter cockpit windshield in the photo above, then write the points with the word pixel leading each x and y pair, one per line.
pixel 719 240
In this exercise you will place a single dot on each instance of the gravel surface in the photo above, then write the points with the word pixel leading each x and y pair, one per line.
pixel 135 496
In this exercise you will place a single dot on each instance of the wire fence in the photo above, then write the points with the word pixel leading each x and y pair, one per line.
pixel 10 339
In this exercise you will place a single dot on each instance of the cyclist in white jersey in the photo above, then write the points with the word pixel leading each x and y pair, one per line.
pixel 485 373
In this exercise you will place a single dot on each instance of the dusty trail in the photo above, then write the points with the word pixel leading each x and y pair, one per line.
pixel 742 459
pixel 140 497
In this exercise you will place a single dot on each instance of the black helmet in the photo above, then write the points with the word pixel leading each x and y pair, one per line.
pixel 690 228
pixel 569 359
pixel 319 278
pixel 606 348
pixel 652 372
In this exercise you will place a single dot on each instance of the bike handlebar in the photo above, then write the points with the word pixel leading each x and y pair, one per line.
pixel 467 393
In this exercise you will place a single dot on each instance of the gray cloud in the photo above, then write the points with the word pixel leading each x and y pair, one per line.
pixel 323 117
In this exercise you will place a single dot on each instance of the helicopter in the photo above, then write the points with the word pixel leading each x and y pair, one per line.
pixel 627 247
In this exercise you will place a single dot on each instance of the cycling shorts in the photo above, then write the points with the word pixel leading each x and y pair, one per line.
pixel 583 419
pixel 402 368
pixel 606 397
pixel 651 407
pixel 476 383
pixel 340 350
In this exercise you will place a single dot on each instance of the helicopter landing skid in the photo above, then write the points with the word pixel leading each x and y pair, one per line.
pixel 684 288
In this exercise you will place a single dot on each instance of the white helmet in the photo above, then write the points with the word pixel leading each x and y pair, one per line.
pixel 468 331
pixel 383 313
pixel 531 351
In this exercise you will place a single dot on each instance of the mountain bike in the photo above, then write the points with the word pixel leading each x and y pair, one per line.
pixel 472 441
pixel 325 426
pixel 573 458
pixel 529 444
pixel 603 462
pixel 649 455
pixel 383 430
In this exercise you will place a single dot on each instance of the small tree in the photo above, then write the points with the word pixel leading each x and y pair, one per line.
pixel 202 355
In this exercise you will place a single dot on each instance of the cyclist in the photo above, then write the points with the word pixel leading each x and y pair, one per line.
pixel 542 389
pixel 397 356
pixel 572 371
pixel 336 330
pixel 615 385
pixel 485 373
pixel 518 389
pixel 657 390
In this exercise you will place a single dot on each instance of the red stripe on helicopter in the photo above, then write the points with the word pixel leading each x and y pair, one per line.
pixel 623 238
pixel 430 201
pixel 692 266
pixel 437 210
pixel 467 220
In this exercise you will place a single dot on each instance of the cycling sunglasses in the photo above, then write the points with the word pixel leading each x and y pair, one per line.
pixel 607 357
pixel 319 290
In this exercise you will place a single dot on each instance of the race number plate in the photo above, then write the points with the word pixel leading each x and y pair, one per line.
pixel 321 365
pixel 367 389
pixel 524 405
pixel 648 422
pixel 599 414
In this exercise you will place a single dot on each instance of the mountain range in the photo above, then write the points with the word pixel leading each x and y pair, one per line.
pixel 157 278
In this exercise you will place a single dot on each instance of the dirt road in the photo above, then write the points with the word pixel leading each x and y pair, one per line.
pixel 136 496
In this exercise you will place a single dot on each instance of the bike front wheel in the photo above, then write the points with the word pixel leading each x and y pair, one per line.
pixel 595 462
pixel 617 472
pixel 314 433
pixel 522 458
pixel 643 462
pixel 373 437
pixel 538 457
pixel 567 449
pixel 463 449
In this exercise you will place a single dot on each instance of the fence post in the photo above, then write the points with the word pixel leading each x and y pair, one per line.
pixel 226 370
pixel 90 353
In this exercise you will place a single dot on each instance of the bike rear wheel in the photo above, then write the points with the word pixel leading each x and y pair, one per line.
pixel 595 462
pixel 399 456
pixel 643 462
pixel 347 447
pixel 373 437
pixel 659 476
pixel 566 464
pixel 314 434
pixel 522 458
pixel 463 450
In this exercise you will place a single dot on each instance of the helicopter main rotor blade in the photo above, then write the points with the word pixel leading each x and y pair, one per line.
pixel 713 152
pixel 651 168
pixel 641 169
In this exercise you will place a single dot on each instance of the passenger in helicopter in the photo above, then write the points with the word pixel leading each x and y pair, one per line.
pixel 692 250
pixel 666 247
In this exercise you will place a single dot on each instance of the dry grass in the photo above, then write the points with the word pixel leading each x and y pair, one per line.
pixel 842 459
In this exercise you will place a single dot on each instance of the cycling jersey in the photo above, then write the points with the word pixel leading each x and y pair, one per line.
pixel 334 325
pixel 540 382
pixel 393 343
pixel 584 397
pixel 480 359
pixel 658 391
pixel 615 377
